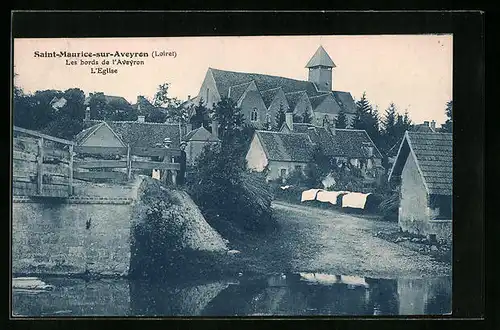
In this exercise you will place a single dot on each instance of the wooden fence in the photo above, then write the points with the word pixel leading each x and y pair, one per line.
pixel 44 165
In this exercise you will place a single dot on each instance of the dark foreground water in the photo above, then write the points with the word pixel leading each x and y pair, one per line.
pixel 285 295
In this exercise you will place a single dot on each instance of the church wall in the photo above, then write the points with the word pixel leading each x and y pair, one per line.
pixel 253 100
pixel 209 89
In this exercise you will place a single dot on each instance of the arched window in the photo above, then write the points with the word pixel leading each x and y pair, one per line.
pixel 254 115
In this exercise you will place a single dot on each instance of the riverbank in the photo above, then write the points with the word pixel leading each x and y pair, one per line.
pixel 316 240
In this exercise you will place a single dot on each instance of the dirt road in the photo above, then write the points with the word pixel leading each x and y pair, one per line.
pixel 329 241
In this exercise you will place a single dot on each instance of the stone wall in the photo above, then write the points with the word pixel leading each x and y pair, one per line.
pixel 88 232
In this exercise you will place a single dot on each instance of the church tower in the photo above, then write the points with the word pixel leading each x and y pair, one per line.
pixel 320 70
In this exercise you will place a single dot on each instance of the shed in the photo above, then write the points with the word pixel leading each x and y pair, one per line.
pixel 424 170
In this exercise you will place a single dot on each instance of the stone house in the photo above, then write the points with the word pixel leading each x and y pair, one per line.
pixel 424 170
pixel 352 146
pixel 279 153
pixel 294 146
pixel 195 140
pixel 261 96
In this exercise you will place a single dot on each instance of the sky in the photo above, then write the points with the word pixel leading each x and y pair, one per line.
pixel 413 71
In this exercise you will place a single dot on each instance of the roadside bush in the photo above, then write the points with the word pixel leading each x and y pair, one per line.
pixel 233 201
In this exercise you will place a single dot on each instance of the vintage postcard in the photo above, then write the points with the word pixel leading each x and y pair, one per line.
pixel 232 176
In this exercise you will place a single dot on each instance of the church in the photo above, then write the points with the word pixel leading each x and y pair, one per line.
pixel 260 97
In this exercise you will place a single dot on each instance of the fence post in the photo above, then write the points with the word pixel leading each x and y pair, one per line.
pixel 40 167
pixel 174 177
pixel 129 163
pixel 70 178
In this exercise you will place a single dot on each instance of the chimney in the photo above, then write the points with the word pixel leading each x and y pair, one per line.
pixel 433 125
pixel 215 128
pixel 289 120
pixel 189 97
pixel 140 119
pixel 426 123
pixel 87 113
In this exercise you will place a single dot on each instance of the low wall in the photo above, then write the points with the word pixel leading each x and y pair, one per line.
pixel 86 233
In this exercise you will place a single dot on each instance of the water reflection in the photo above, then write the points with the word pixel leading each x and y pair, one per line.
pixel 283 294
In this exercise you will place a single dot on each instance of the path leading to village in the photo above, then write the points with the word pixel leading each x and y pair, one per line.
pixel 333 242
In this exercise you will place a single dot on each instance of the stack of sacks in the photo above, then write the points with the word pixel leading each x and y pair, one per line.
pixel 355 200
pixel 309 195
pixel 329 196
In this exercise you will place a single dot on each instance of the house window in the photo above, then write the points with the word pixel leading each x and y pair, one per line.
pixel 298 168
pixel 254 115
pixel 283 172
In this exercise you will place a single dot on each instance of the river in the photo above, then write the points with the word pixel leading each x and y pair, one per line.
pixel 295 294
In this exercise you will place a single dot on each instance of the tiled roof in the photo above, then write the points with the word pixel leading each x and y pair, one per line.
pixel 108 99
pixel 225 79
pixel 317 100
pixel 268 95
pixel 348 143
pixel 145 134
pixel 235 92
pixel 82 136
pixel 320 58
pixel 345 100
pixel 293 98
pixel 421 128
pixel 291 147
pixel 200 134
pixel 434 154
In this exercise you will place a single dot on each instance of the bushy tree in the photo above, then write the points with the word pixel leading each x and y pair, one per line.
pixel 230 120
pixel 200 115
pixel 155 115
pixel 69 119
pixel 367 118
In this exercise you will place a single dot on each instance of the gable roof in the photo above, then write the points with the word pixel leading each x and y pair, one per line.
pixel 86 133
pixel 294 97
pixel 288 147
pixel 225 79
pixel 320 58
pixel 145 134
pixel 345 101
pixel 347 143
pixel 433 154
pixel 269 95
pixel 317 100
pixel 200 134
pixel 235 92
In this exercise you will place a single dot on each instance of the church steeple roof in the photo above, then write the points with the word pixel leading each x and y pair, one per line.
pixel 320 58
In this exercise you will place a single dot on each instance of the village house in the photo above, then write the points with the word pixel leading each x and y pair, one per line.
pixel 133 134
pixel 195 140
pixel 260 97
pixel 278 154
pixel 423 169
pixel 271 150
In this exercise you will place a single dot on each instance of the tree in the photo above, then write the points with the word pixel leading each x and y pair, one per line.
pixel 230 119
pixel 390 136
pixel 161 98
pixel 280 117
pixel 155 115
pixel 200 116
pixel 341 121
pixel 69 119
pixel 307 118
pixel 448 125
pixel 363 109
